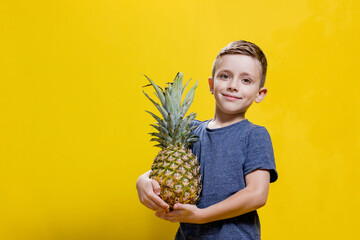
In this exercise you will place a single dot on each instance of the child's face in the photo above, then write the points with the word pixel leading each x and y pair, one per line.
pixel 236 84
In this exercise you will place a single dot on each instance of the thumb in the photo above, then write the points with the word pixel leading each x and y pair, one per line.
pixel 156 187
pixel 180 206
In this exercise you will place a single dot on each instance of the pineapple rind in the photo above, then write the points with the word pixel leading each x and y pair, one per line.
pixel 177 171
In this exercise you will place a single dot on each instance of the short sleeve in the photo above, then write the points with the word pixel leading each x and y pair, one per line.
pixel 260 153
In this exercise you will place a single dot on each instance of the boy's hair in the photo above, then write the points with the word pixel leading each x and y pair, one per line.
pixel 244 48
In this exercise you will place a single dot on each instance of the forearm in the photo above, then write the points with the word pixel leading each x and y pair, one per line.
pixel 242 202
pixel 252 197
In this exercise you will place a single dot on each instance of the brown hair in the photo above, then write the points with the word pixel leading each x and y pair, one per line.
pixel 244 48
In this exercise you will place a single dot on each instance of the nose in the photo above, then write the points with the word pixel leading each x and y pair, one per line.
pixel 233 85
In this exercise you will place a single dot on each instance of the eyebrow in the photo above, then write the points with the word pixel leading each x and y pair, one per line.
pixel 247 74
pixel 242 74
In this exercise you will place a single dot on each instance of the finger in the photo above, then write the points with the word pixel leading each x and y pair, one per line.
pixel 147 192
pixel 156 187
pixel 179 206
pixel 153 204
pixel 154 195
pixel 167 217
pixel 173 213
pixel 158 201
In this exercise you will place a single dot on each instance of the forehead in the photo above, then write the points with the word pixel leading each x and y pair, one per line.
pixel 238 63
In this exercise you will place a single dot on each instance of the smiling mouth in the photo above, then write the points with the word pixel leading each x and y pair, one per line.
pixel 231 97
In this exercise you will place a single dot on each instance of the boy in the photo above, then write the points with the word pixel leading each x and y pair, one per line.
pixel 236 157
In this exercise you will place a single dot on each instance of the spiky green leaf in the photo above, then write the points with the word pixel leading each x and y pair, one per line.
pixel 158 106
pixel 189 98
pixel 160 128
pixel 160 121
pixel 183 89
pixel 159 92
pixel 177 92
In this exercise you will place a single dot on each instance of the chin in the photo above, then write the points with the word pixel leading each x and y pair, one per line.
pixel 234 111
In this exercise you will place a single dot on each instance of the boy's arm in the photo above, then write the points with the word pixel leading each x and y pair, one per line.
pixel 252 197
pixel 149 191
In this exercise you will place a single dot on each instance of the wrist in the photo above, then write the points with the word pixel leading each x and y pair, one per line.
pixel 203 216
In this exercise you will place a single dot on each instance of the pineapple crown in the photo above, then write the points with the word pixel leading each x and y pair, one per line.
pixel 173 128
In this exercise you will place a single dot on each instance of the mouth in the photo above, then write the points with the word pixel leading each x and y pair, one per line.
pixel 231 97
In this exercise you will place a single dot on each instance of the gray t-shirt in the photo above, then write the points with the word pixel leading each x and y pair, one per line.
pixel 226 155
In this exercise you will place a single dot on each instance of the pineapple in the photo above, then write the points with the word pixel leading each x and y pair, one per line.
pixel 175 168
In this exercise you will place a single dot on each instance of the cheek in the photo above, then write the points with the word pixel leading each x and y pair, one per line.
pixel 250 91
pixel 251 96
pixel 219 86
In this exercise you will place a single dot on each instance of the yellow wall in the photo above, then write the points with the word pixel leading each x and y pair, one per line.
pixel 73 131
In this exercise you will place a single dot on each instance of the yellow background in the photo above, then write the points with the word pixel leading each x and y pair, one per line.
pixel 73 131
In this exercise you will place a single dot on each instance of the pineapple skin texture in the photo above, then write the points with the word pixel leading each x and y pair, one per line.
pixel 177 171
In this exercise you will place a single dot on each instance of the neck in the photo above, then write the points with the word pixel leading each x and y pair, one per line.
pixel 223 120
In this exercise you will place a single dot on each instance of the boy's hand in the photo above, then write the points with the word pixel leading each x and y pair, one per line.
pixel 185 213
pixel 149 191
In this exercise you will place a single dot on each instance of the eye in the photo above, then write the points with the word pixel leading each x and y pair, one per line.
pixel 224 76
pixel 246 80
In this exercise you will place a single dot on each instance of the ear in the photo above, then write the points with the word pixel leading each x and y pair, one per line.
pixel 261 94
pixel 211 85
